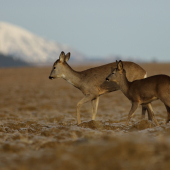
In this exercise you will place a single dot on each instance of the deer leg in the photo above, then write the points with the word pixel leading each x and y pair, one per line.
pixel 95 103
pixel 148 106
pixel 168 112
pixel 87 98
pixel 132 111
pixel 144 108
pixel 152 113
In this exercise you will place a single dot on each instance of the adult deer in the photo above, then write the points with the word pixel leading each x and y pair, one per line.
pixel 142 91
pixel 92 81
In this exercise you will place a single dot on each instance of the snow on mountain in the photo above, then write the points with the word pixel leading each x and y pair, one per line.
pixel 24 45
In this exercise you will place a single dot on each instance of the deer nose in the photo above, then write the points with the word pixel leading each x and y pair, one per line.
pixel 107 79
pixel 50 77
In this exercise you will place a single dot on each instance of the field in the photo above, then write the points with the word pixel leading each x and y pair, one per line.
pixel 38 127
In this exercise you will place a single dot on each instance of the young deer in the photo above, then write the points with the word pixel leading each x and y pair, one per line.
pixel 92 81
pixel 143 91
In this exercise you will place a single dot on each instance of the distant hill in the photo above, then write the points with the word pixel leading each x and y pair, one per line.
pixel 8 61
pixel 30 48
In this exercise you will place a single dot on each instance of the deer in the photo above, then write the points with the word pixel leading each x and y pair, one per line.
pixel 143 91
pixel 92 81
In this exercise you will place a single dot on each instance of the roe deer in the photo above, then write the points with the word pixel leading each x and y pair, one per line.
pixel 142 91
pixel 92 81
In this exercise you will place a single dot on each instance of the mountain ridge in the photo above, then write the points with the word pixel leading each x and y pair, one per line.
pixel 30 48
pixel 9 61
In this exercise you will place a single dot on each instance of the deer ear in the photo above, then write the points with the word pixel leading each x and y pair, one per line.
pixel 62 57
pixel 67 57
pixel 120 65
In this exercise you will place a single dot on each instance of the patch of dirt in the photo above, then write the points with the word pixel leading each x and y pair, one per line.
pixel 38 127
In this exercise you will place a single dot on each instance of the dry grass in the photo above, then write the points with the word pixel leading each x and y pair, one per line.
pixel 38 128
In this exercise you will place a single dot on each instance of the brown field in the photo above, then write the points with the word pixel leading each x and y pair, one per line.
pixel 38 127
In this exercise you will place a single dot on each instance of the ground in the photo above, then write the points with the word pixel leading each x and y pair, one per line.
pixel 38 127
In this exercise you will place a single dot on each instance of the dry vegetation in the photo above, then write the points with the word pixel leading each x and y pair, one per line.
pixel 38 128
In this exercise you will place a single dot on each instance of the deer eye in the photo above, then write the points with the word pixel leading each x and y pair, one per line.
pixel 54 67
pixel 113 73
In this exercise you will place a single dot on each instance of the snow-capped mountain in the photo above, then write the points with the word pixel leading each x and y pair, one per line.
pixel 24 45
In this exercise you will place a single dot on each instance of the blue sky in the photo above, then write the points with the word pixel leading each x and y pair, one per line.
pixel 130 28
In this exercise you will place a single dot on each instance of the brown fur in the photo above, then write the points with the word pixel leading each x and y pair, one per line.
pixel 92 82
pixel 142 91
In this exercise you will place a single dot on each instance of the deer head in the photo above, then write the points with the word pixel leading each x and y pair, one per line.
pixel 116 73
pixel 58 66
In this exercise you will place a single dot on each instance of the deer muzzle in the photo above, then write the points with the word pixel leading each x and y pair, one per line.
pixel 51 77
pixel 107 79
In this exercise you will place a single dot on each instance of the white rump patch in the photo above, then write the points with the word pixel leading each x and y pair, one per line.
pixel 145 75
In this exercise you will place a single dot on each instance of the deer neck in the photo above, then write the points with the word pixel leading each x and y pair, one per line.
pixel 71 76
pixel 124 85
